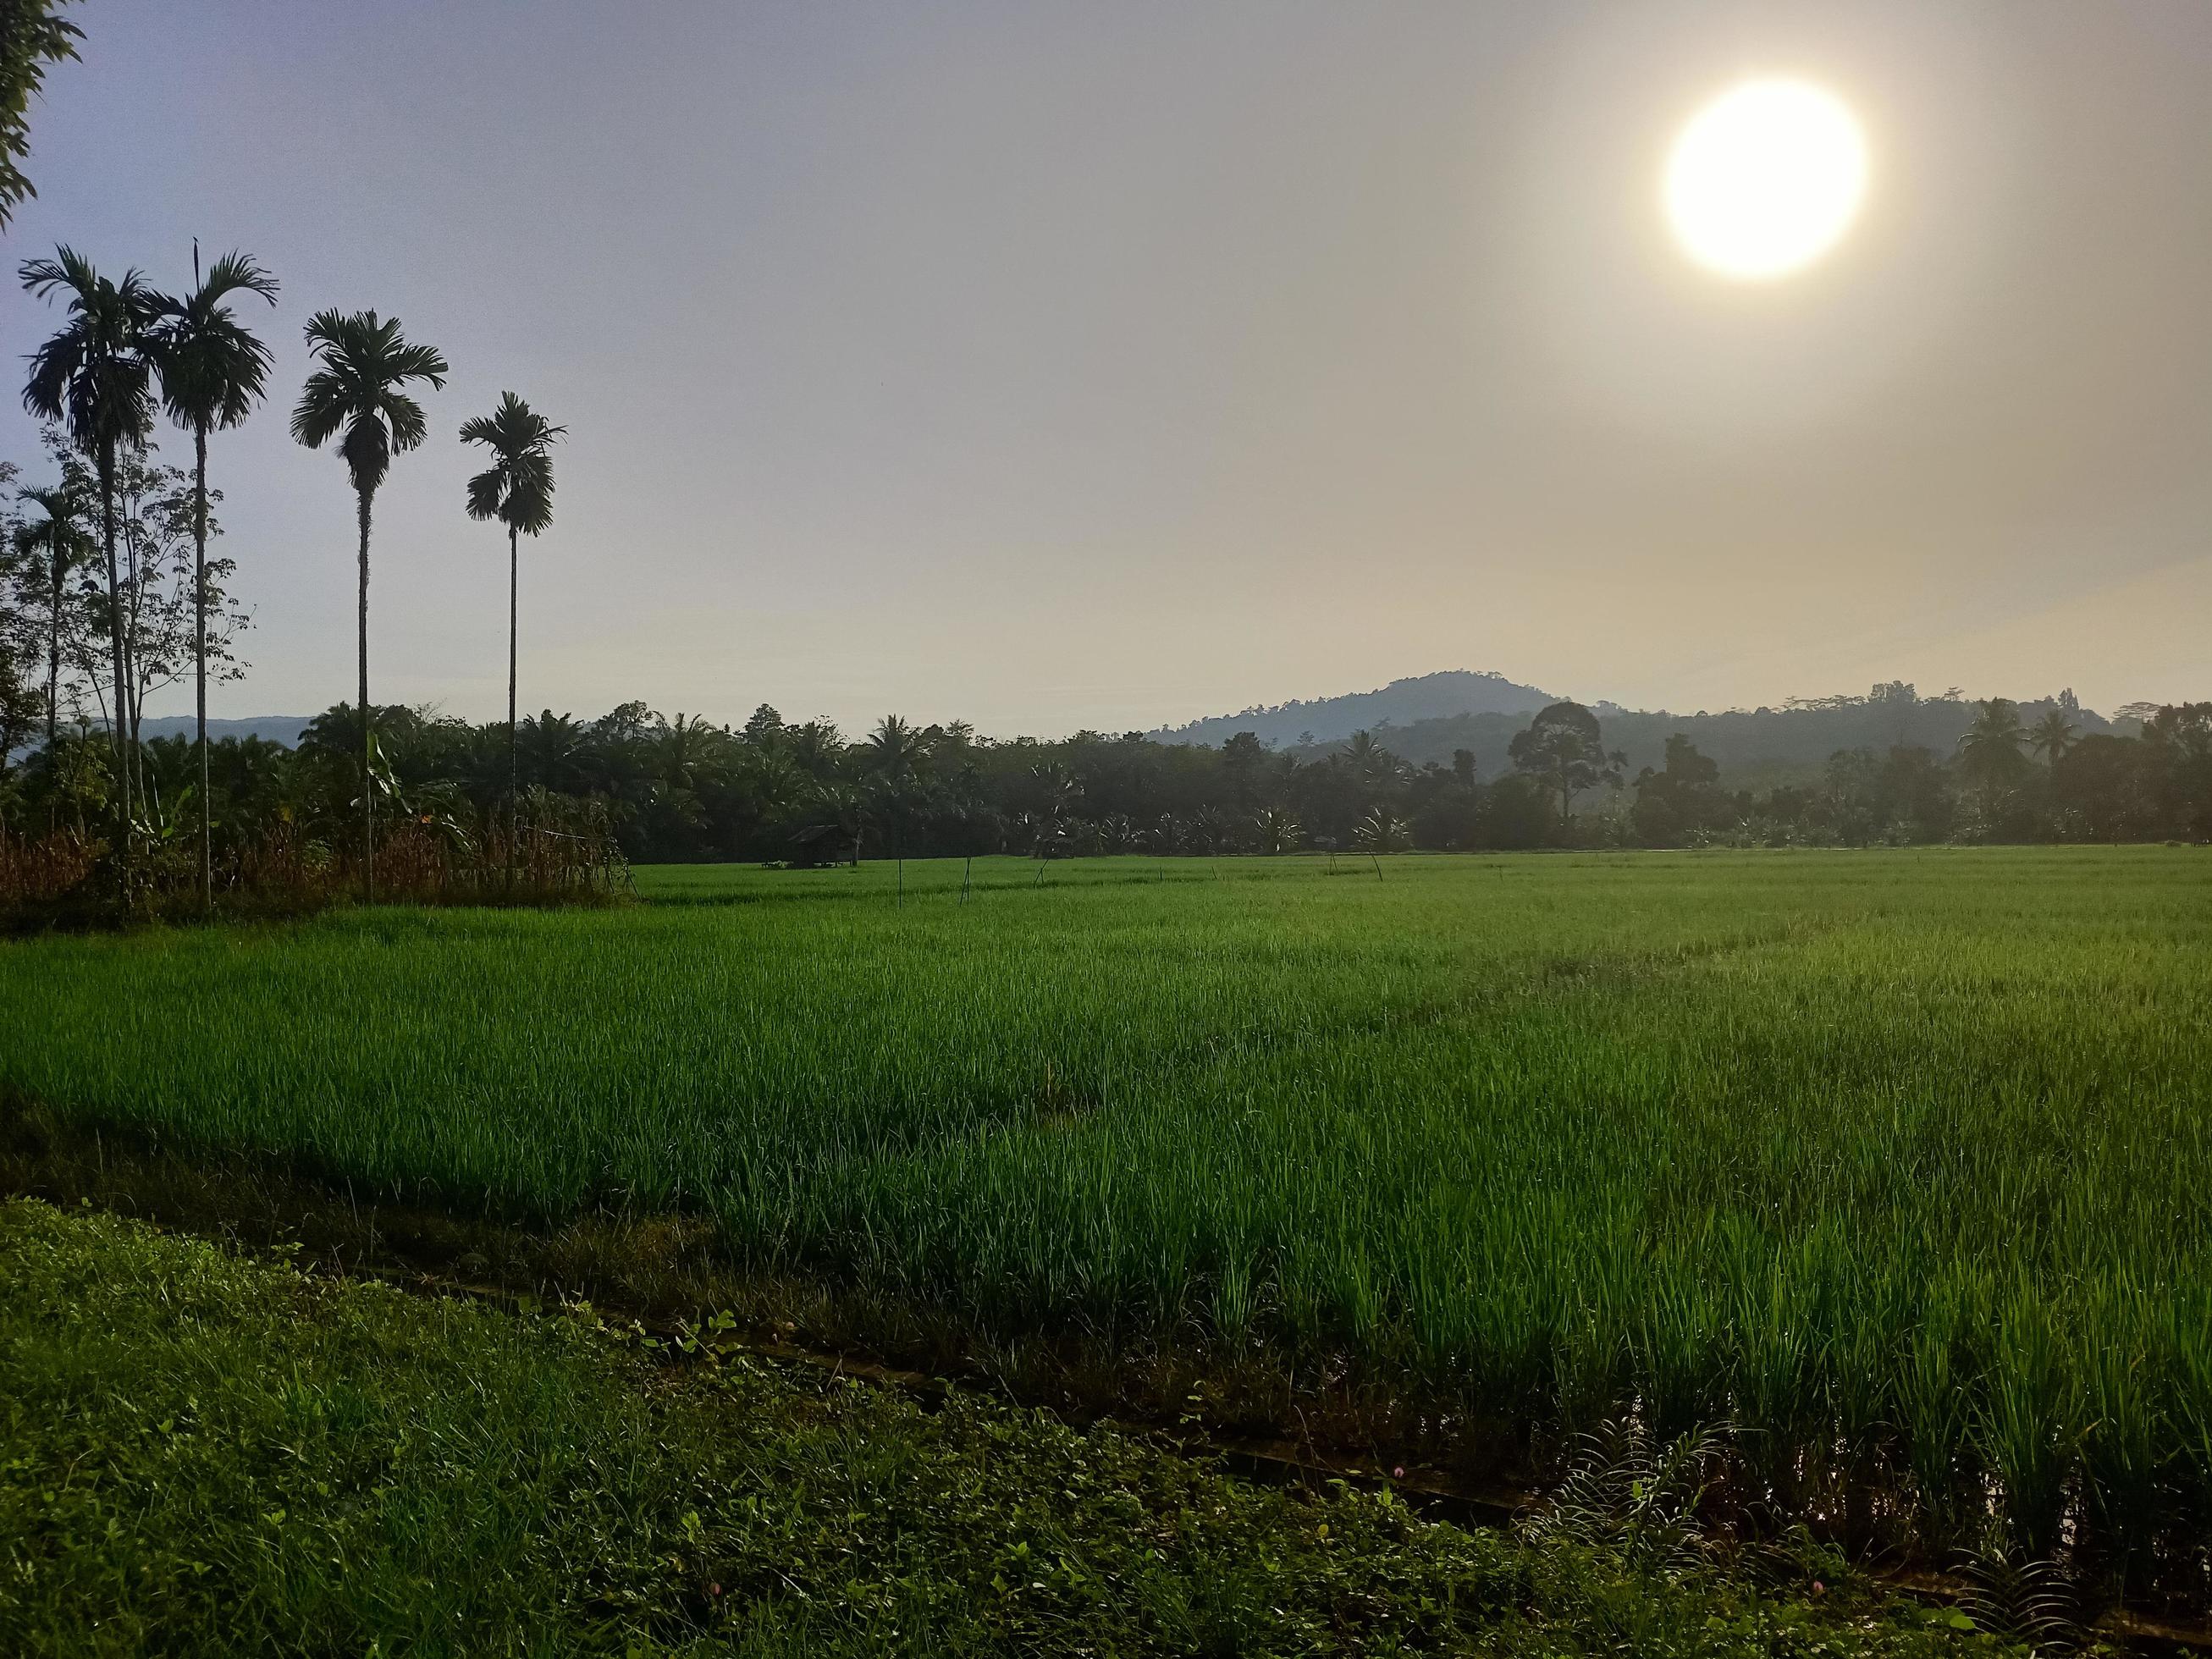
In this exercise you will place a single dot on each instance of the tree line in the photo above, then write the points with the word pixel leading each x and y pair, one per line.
pixel 804 792
pixel 106 558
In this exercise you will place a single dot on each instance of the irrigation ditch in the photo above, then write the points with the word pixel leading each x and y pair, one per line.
pixel 654 1276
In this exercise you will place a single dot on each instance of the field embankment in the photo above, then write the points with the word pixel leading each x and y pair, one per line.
pixel 205 1453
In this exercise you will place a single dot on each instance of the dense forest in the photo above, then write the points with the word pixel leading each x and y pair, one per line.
pixel 805 792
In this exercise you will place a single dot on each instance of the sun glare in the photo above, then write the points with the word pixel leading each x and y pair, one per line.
pixel 1765 178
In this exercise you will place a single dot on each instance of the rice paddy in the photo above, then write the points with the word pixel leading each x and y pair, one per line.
pixel 1898 1163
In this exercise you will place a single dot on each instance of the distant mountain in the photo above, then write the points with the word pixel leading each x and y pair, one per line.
pixel 1755 748
pixel 276 728
pixel 1401 703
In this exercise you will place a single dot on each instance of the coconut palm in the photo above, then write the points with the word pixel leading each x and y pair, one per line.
pixel 96 377
pixel 359 389
pixel 895 746
pixel 212 369
pixel 517 489
pixel 59 545
pixel 1277 829
pixel 1989 753
pixel 2051 736
pixel 894 754
pixel 1381 831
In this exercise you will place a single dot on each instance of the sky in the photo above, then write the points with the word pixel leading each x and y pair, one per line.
pixel 1055 365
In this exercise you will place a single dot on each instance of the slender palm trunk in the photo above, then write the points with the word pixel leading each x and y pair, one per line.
pixel 513 765
pixel 119 723
pixel 54 656
pixel 132 680
pixel 367 727
pixel 200 654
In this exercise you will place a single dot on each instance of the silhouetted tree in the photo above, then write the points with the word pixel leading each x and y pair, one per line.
pixel 2053 736
pixel 360 388
pixel 212 369
pixel 58 546
pixel 1564 746
pixel 517 489
pixel 96 377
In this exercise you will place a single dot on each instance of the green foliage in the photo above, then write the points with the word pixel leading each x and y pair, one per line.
pixel 1879 1157
pixel 33 37
pixel 205 1454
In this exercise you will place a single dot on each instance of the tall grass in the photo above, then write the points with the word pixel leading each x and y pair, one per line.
pixel 1900 1162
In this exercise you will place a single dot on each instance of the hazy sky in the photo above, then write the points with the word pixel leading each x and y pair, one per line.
pixel 1111 364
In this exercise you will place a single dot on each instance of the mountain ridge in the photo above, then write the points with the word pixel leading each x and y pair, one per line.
pixel 1303 721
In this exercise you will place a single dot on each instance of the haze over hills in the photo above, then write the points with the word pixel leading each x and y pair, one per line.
pixel 1427 718
pixel 1755 748
pixel 1402 703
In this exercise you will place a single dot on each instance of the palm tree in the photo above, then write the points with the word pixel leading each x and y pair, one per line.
pixel 96 377
pixel 1277 829
pixel 1989 750
pixel 517 489
pixel 59 546
pixel 361 389
pixel 212 371
pixel 2051 736
pixel 894 754
pixel 1381 831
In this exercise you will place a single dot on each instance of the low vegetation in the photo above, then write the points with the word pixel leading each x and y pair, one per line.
pixel 205 1453
pixel 1894 1165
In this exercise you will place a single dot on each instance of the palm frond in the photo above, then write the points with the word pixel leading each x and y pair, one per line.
pixel 517 489
pixel 364 361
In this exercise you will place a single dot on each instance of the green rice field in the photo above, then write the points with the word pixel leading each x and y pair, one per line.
pixel 1897 1163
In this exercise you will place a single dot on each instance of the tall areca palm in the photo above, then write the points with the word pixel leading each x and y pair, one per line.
pixel 96 377
pixel 59 546
pixel 359 390
pixel 213 370
pixel 517 489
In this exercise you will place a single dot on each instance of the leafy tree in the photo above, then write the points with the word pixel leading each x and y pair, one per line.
pixel 517 489
pixel 2107 788
pixel 1679 799
pixel 1564 746
pixel 212 371
pixel 33 36
pixel 94 376
pixel 360 388
pixel 2180 759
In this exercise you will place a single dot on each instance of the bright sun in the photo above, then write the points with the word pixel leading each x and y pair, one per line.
pixel 1765 177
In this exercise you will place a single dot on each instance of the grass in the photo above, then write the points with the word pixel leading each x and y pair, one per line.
pixel 1897 1163
pixel 204 1454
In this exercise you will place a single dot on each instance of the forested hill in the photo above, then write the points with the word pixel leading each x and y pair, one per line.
pixel 1425 698
pixel 1755 749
